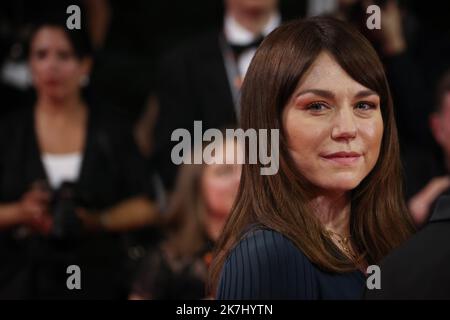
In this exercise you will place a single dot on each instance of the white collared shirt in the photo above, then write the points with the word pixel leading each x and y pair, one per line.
pixel 237 34
pixel 62 167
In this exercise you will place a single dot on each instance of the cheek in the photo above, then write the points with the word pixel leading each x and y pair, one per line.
pixel 71 71
pixel 304 137
pixel 372 135
pixel 219 194
pixel 38 70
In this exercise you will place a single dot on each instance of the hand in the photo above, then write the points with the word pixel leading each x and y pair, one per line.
pixel 91 221
pixel 33 210
pixel 419 205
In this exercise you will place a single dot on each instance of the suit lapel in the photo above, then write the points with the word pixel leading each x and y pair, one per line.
pixel 442 211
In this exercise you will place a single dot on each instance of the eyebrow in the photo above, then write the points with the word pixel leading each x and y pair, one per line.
pixel 330 95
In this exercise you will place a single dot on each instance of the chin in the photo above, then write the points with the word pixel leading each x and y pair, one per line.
pixel 341 184
pixel 342 187
pixel 56 93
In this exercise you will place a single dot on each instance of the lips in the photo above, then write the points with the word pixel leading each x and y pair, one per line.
pixel 52 82
pixel 343 157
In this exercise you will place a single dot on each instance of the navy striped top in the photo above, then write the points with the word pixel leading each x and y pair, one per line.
pixel 267 265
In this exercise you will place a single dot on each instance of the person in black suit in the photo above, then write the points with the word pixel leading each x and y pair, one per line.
pixel 419 269
pixel 200 80
pixel 422 203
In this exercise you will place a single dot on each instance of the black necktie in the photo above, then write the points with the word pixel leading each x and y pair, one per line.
pixel 238 49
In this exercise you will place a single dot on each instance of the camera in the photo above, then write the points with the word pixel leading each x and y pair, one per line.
pixel 66 223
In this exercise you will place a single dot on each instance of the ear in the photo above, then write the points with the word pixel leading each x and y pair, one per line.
pixel 436 127
pixel 86 65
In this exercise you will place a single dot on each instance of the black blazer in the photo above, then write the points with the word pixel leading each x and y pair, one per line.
pixel 192 85
pixel 419 269
pixel 112 170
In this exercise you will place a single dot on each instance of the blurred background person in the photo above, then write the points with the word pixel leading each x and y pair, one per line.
pixel 16 21
pixel 201 79
pixel 71 179
pixel 201 203
pixel 422 204
pixel 418 270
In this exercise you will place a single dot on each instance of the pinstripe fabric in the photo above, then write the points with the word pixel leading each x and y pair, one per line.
pixel 267 265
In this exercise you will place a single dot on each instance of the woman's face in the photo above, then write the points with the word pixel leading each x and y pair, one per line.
pixel 251 7
pixel 334 127
pixel 57 72
pixel 220 183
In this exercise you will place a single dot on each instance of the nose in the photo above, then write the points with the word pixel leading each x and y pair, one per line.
pixel 344 126
pixel 53 64
pixel 50 63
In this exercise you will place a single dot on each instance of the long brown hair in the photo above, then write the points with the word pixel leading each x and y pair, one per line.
pixel 185 218
pixel 379 218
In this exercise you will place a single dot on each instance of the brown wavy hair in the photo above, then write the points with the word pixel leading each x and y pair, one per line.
pixel 379 219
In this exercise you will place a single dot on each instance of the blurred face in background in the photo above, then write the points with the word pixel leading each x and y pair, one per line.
pixel 57 72
pixel 251 8
pixel 220 183
pixel 346 3
pixel 440 125
pixel 334 127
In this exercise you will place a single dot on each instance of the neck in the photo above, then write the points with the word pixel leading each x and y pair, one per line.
pixel 254 23
pixel 333 211
pixel 64 107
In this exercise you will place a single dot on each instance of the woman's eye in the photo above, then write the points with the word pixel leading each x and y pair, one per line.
pixel 40 54
pixel 316 106
pixel 64 55
pixel 365 106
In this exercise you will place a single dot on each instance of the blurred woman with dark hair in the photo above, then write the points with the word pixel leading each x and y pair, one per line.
pixel 336 204
pixel 71 179
pixel 202 200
